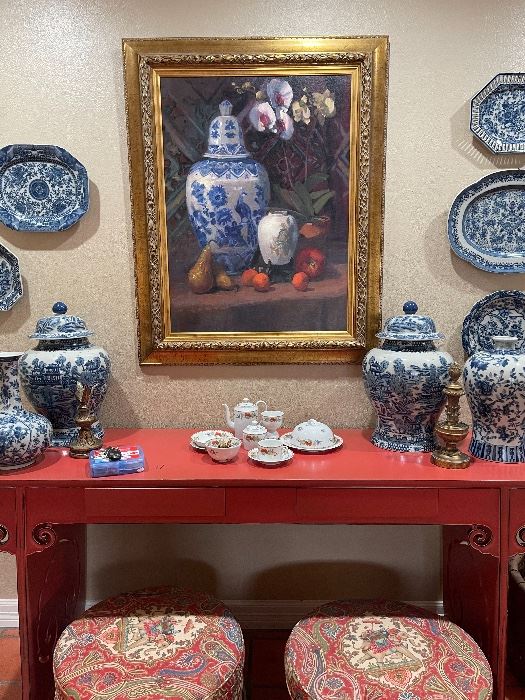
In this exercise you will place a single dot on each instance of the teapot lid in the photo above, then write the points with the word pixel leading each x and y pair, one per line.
pixel 60 326
pixel 410 327
pixel 246 403
pixel 225 137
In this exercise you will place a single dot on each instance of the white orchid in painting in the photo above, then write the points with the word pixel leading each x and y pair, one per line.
pixel 262 117
pixel 279 93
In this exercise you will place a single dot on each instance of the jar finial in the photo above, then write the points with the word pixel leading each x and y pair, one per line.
pixel 410 307
pixel 59 307
pixel 225 108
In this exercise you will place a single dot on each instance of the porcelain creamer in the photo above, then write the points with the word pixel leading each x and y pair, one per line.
pixel 495 388
pixel 405 379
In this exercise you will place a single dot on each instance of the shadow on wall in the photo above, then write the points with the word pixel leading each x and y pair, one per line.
pixel 321 580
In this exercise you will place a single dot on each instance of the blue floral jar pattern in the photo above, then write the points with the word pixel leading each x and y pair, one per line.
pixel 495 388
pixel 404 380
pixel 227 194
pixel 24 435
pixel 50 373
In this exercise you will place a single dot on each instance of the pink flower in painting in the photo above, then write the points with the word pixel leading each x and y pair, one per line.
pixel 279 93
pixel 263 117
pixel 284 125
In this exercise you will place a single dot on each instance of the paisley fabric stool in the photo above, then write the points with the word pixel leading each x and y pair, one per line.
pixel 380 650
pixel 152 644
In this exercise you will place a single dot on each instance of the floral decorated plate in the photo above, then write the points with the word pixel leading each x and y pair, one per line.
pixel 497 115
pixel 199 440
pixel 499 313
pixel 288 440
pixel 486 224
pixel 10 281
pixel 42 188
pixel 268 460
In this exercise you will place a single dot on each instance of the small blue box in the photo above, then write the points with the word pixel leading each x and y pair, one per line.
pixel 132 460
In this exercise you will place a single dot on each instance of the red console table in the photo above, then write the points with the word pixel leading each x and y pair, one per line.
pixel 44 510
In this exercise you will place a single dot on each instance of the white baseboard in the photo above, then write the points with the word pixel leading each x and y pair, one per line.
pixel 251 614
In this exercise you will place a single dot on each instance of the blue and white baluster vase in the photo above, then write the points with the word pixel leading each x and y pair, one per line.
pixel 404 380
pixel 495 389
pixel 24 435
pixel 227 194
pixel 50 373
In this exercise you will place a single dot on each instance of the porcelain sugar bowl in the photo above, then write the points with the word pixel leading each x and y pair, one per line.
pixel 252 434
pixel 49 373
pixel 494 383
pixel 404 380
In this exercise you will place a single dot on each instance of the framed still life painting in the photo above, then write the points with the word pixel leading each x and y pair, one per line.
pixel 257 179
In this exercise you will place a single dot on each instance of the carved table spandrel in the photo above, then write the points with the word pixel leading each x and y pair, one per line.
pixel 357 484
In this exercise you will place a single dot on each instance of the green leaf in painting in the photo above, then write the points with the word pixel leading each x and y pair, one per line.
pixel 318 193
pixel 322 201
pixel 303 193
pixel 315 179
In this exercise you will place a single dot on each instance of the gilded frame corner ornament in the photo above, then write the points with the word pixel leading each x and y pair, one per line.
pixel 144 61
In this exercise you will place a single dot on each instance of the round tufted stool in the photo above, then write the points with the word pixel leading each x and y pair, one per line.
pixel 380 650
pixel 157 644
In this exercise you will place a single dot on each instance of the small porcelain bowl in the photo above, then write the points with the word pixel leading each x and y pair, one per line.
pixel 252 434
pixel 223 449
pixel 312 433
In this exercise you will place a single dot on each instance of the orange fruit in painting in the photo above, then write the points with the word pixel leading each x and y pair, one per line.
pixel 261 282
pixel 300 281
pixel 247 277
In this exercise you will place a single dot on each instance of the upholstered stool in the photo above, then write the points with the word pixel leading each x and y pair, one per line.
pixel 379 650
pixel 153 644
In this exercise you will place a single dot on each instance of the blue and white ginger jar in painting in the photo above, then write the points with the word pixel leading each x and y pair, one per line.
pixel 495 389
pixel 227 194
pixel 404 380
pixel 51 372
pixel 24 435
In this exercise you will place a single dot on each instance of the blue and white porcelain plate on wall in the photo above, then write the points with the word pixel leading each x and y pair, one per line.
pixel 10 281
pixel 500 313
pixel 497 114
pixel 42 188
pixel 486 224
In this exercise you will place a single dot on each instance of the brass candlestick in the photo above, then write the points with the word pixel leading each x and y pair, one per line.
pixel 85 441
pixel 451 431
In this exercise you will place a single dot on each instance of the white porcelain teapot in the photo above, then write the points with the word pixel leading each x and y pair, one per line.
pixel 243 414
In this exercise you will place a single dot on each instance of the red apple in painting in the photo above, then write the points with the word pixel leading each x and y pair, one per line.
pixel 311 261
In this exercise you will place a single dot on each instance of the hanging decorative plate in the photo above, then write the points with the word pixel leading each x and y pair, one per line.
pixel 497 114
pixel 42 188
pixel 10 280
pixel 499 313
pixel 486 224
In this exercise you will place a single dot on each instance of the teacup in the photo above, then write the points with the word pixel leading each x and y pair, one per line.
pixel 271 448
pixel 272 421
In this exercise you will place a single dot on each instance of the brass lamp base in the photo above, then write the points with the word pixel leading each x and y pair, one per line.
pixel 451 431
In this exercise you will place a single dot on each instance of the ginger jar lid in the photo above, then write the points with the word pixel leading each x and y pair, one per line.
pixel 60 326
pixel 225 138
pixel 410 327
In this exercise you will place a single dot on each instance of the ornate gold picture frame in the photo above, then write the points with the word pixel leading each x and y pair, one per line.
pixel 257 187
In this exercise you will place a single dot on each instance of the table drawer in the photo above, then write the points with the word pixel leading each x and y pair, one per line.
pixel 375 505
pixel 162 505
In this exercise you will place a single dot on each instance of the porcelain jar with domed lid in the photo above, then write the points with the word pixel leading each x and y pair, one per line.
pixel 404 380
pixel 227 194
pixel 62 359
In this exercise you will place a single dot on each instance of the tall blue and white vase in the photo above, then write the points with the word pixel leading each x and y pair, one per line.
pixel 24 435
pixel 50 373
pixel 404 380
pixel 495 389
pixel 227 194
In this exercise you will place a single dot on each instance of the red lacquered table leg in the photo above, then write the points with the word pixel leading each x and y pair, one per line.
pixel 51 593
pixel 471 587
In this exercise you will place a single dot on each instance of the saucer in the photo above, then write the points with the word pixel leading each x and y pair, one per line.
pixel 196 447
pixel 288 441
pixel 260 459
pixel 199 440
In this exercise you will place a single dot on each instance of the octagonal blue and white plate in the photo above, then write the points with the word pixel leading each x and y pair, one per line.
pixel 486 224
pixel 42 188
pixel 497 114
pixel 10 279
pixel 499 313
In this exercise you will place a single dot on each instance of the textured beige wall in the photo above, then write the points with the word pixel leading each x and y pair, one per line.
pixel 61 83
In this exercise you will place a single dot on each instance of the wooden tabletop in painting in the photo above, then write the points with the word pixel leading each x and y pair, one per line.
pixel 170 461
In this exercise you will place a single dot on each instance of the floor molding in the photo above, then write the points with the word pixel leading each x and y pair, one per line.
pixel 251 614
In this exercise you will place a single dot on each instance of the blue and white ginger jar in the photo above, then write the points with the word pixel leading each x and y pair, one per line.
pixel 24 435
pixel 495 389
pixel 227 194
pixel 404 380
pixel 51 372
